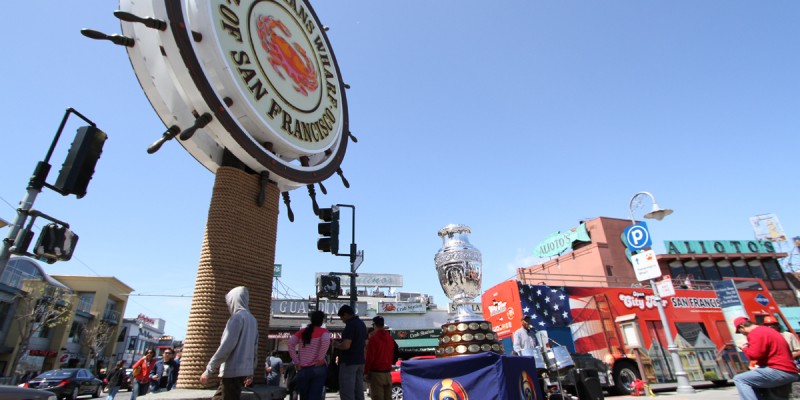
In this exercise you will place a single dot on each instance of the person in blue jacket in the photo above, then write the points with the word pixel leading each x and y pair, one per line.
pixel 165 373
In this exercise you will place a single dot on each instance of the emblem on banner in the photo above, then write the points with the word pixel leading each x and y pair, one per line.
pixel 527 390
pixel 448 389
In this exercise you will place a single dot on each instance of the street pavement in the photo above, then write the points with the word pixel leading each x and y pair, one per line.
pixel 704 391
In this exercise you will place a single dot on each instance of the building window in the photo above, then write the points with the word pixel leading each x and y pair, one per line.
pixel 757 270
pixel 609 270
pixel 41 331
pixel 710 270
pixel 85 301
pixel 18 270
pixel 676 269
pixel 75 332
pixel 725 269
pixel 741 269
pixel 5 308
pixel 773 271
pixel 693 269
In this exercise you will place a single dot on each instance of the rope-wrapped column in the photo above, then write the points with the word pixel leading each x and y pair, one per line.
pixel 238 250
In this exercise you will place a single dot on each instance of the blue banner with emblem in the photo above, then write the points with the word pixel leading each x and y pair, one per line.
pixel 486 376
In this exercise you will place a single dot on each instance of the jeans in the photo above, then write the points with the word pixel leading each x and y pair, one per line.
pixel 351 381
pixel 139 389
pixel 112 392
pixel 311 382
pixel 766 377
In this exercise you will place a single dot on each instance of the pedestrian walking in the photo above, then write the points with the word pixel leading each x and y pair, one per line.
pixel 141 374
pixel 237 354
pixel 351 359
pixel 165 373
pixel 115 379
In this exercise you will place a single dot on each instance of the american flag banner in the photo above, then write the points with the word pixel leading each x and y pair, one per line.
pixel 548 307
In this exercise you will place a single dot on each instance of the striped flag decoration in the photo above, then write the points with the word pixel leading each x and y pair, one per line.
pixel 548 307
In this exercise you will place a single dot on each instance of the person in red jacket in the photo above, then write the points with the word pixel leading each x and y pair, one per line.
pixel 770 352
pixel 379 360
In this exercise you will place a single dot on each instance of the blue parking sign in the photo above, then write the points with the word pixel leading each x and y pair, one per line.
pixel 637 237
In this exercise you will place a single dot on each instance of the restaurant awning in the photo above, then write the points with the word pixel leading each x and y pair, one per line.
pixel 417 343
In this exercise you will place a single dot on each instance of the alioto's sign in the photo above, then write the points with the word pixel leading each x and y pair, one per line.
pixel 718 246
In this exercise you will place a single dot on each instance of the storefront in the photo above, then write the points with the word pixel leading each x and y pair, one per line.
pixel 416 342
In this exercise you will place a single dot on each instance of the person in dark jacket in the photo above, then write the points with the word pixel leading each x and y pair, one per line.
pixel 115 379
pixel 165 373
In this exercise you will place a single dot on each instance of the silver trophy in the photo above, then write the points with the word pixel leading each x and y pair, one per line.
pixel 458 263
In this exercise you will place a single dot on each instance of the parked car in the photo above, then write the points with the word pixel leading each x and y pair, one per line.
pixel 68 383
pixel 21 393
pixel 397 381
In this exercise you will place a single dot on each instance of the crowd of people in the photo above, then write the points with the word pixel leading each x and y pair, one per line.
pixel 315 362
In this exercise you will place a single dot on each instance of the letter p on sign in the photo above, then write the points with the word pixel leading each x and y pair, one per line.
pixel 637 237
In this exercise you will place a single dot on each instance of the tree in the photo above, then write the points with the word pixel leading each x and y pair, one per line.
pixel 40 305
pixel 96 336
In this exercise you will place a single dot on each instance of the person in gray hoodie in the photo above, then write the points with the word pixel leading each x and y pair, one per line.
pixel 237 355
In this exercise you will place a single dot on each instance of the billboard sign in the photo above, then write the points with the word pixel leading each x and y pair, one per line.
pixel 767 227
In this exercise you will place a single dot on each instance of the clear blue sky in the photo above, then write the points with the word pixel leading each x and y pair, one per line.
pixel 517 118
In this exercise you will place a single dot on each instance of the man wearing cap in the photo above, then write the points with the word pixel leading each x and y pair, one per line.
pixel 771 353
pixel 524 339
pixel 380 356
pixel 351 360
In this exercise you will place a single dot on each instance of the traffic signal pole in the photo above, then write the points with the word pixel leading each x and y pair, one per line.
pixel 329 230
pixel 353 254
pixel 35 185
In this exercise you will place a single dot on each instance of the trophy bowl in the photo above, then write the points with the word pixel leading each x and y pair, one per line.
pixel 458 264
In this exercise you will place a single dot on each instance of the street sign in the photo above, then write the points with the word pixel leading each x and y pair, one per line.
pixel 645 265
pixel 358 260
pixel 277 270
pixel 638 237
pixel 665 287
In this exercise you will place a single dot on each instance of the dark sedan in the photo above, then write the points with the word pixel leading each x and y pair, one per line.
pixel 68 383
pixel 18 393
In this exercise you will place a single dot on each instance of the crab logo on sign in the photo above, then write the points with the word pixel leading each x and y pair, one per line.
pixel 256 79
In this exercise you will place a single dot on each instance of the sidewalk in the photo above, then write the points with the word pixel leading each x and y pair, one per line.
pixel 704 391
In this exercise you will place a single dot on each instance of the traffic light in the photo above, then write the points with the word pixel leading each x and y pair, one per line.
pixel 79 166
pixel 328 230
pixel 329 286
pixel 55 243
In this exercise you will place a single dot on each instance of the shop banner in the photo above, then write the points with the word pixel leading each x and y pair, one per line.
pixel 559 242
pixel 732 307
pixel 485 376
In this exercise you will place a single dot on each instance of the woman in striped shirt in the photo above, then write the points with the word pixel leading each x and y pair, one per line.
pixel 308 348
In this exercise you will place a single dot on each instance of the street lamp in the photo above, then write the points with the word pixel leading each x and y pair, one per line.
pixel 658 214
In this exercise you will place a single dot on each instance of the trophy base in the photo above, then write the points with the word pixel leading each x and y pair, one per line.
pixel 462 338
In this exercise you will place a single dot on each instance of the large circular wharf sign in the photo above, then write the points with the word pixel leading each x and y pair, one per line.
pixel 263 74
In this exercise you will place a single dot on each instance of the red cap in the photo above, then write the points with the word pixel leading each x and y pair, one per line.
pixel 770 320
pixel 738 321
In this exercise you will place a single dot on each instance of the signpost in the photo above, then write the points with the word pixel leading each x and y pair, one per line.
pixel 645 265
pixel 638 237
